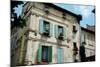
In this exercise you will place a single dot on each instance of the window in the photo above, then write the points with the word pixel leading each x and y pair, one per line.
pixel 83 38
pixel 74 45
pixel 75 49
pixel 74 29
pixel 45 53
pixel 46 28
pixel 60 32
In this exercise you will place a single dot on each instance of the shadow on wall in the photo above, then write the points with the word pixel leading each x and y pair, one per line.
pixel 82 53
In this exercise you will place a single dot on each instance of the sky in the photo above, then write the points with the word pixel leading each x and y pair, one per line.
pixel 88 17
pixel 85 10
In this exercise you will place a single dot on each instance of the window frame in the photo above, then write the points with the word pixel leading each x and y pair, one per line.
pixel 59 33
pixel 46 32
pixel 74 28
pixel 47 51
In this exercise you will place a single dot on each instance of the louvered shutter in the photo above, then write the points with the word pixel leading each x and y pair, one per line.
pixel 56 31
pixel 65 32
pixel 50 54
pixel 39 55
pixel 41 25
pixel 60 55
pixel 51 29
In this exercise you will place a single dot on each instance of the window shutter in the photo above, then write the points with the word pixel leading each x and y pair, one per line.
pixel 41 26
pixel 60 55
pixel 39 53
pixel 56 31
pixel 65 32
pixel 51 29
pixel 50 54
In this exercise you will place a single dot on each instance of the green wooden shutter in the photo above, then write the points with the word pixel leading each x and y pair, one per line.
pixel 50 54
pixel 41 26
pixel 56 31
pixel 51 29
pixel 65 32
pixel 39 53
pixel 60 55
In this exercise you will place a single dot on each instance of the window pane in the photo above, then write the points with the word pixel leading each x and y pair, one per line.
pixel 60 30
pixel 44 53
pixel 46 26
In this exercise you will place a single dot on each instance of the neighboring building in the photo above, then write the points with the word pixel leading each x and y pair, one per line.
pixel 87 47
pixel 52 35
pixel 92 27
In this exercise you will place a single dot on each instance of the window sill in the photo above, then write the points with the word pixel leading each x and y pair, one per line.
pixel 45 34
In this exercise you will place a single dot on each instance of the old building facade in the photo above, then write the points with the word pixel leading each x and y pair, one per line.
pixel 87 44
pixel 52 35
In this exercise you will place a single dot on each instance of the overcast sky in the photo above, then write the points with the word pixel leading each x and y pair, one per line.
pixel 85 10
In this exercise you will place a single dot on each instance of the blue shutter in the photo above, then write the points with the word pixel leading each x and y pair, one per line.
pixel 51 29
pixel 65 32
pixel 60 55
pixel 41 26
pixel 56 31
pixel 39 53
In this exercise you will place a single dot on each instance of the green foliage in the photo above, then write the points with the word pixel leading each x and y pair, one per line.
pixel 93 11
pixel 17 22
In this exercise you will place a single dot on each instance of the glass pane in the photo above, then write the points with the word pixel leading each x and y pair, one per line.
pixel 45 53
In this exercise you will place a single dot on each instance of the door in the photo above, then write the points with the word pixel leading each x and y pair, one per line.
pixel 60 55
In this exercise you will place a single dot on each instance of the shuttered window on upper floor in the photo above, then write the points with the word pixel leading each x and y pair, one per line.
pixel 45 27
pixel 61 32
pixel 50 29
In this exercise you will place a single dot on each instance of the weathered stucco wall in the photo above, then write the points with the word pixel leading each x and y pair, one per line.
pixel 54 17
pixel 90 43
